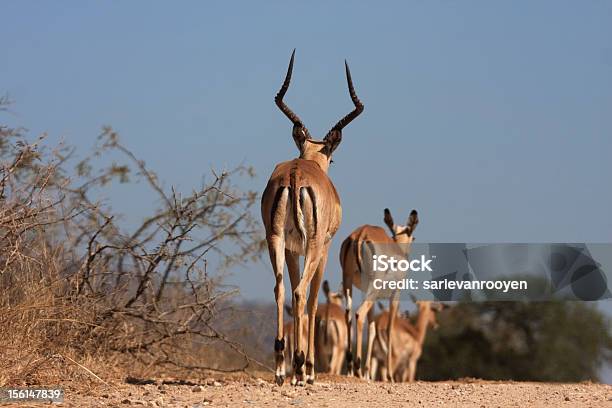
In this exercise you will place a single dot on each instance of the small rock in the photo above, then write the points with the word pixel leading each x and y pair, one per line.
pixel 217 384
pixel 287 394
pixel 126 401
pixel 105 396
pixel 157 403
pixel 197 388
pixel 567 398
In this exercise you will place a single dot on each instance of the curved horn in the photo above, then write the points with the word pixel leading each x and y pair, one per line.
pixel 358 105
pixel 278 99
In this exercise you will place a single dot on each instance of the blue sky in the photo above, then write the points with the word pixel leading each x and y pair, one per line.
pixel 493 119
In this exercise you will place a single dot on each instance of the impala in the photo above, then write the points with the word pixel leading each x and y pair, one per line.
pixel 407 339
pixel 352 274
pixel 333 333
pixel 301 213
pixel 330 336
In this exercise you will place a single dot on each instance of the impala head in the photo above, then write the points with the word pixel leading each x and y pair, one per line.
pixel 319 151
pixel 402 234
pixel 334 297
pixel 430 309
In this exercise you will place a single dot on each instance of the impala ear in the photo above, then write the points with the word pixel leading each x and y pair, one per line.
pixel 300 135
pixel 326 288
pixel 436 306
pixel 389 221
pixel 413 221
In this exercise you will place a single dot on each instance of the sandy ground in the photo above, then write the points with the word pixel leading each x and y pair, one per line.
pixel 341 392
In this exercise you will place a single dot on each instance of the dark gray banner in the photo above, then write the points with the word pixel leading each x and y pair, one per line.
pixel 487 272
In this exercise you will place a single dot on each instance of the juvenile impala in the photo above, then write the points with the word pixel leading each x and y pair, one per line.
pixel 408 341
pixel 301 213
pixel 330 336
pixel 352 274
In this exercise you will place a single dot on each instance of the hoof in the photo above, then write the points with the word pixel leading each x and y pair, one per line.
pixel 293 381
pixel 310 381
pixel 301 383
pixel 279 379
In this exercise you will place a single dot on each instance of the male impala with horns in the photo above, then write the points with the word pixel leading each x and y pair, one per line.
pixel 301 213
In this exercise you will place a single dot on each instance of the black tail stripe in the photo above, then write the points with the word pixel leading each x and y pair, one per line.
pixel 313 201
pixel 357 257
pixel 344 250
pixel 277 198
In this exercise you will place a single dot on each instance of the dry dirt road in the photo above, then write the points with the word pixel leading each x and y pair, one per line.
pixel 342 392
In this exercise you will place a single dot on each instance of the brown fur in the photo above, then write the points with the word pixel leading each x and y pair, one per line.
pixel 407 338
pixel 352 275
pixel 330 338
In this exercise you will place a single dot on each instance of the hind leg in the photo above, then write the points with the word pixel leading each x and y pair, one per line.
pixel 393 307
pixel 313 297
pixel 360 316
pixel 412 364
pixel 349 271
pixel 371 337
pixel 336 360
pixel 373 369
pixel 293 265
pixel 337 349
pixel 347 284
pixel 311 262
pixel 276 248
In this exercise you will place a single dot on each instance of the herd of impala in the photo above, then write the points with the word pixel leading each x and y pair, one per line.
pixel 301 212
